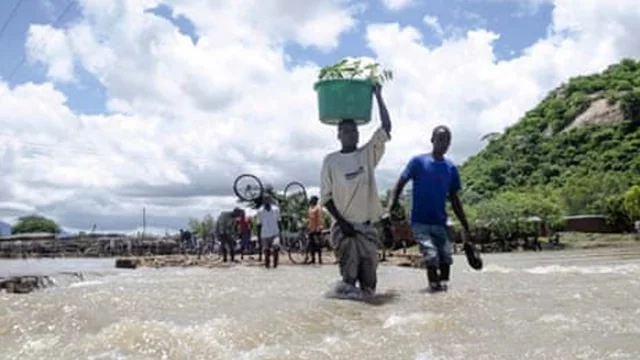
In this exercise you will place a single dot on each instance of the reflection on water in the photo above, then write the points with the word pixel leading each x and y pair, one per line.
pixel 569 305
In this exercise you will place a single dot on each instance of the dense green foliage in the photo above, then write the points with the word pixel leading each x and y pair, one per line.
pixel 543 166
pixel 631 202
pixel 202 228
pixel 35 224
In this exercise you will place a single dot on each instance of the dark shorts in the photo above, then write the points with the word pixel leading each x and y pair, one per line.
pixel 434 244
pixel 270 242
pixel 315 239
pixel 245 240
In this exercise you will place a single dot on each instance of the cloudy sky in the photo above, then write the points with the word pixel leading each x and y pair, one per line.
pixel 109 106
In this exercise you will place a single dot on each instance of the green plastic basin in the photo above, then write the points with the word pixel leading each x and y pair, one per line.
pixel 344 99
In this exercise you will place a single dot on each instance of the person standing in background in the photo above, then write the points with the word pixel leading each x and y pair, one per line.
pixel 269 230
pixel 226 232
pixel 314 229
pixel 244 228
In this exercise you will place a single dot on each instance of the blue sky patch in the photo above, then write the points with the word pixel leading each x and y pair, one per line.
pixel 518 29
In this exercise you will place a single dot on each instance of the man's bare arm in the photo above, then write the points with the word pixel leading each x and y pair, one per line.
pixel 397 190
pixel 331 207
pixel 384 113
pixel 456 204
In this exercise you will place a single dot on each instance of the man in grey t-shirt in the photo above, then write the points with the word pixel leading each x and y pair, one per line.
pixel 349 192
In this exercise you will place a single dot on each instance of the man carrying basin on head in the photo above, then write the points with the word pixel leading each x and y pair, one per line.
pixel 349 192
pixel 435 179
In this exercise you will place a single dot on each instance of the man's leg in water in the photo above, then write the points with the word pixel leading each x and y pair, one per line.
pixel 311 248
pixel 442 242
pixel 310 256
pixel 223 247
pixel 259 246
pixel 422 234
pixel 232 247
pixel 275 250
pixel 318 247
pixel 348 259
pixel 243 246
pixel 266 246
pixel 367 250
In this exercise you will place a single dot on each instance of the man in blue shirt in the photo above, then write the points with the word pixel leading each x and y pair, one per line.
pixel 434 180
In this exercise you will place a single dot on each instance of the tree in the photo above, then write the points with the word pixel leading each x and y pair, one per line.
pixel 631 202
pixel 202 228
pixel 34 224
pixel 540 149
pixel 293 210
pixel 490 136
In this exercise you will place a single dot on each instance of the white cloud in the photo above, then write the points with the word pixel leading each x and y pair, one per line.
pixel 396 5
pixel 434 24
pixel 49 45
pixel 186 118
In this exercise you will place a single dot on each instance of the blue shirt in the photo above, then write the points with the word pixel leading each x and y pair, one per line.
pixel 432 180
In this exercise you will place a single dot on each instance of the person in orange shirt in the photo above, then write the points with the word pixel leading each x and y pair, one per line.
pixel 314 228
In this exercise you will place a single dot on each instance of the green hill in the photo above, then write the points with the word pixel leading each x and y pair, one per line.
pixel 577 152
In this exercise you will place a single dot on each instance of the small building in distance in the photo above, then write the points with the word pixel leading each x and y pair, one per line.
pixel 587 224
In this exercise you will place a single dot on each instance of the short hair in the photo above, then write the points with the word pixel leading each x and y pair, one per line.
pixel 313 198
pixel 441 128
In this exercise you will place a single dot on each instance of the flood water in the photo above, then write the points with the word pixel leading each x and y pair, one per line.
pixel 552 305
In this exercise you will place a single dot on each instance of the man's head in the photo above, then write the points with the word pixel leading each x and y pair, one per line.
pixel 313 201
pixel 348 133
pixel 267 202
pixel 441 139
pixel 237 213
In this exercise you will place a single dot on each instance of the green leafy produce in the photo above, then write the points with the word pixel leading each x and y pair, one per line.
pixel 356 68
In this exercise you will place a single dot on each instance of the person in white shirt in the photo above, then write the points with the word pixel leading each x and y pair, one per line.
pixel 269 229
pixel 349 192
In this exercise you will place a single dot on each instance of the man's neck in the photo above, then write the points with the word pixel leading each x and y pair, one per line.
pixel 437 156
pixel 348 149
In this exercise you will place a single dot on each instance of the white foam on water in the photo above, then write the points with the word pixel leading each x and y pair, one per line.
pixel 626 269
pixel 87 283
pixel 110 355
pixel 431 355
pixel 420 318
pixel 41 344
pixel 557 318
pixel 331 340
pixel 493 268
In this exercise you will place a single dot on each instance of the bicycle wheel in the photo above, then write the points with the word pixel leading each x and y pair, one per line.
pixel 297 249
pixel 248 187
pixel 295 189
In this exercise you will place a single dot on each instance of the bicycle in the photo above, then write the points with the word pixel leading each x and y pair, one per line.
pixel 248 192
pixel 293 201
pixel 296 247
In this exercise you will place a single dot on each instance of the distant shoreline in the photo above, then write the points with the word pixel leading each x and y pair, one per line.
pixel 26 283
pixel 125 248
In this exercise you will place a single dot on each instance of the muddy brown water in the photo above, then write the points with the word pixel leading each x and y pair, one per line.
pixel 550 305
